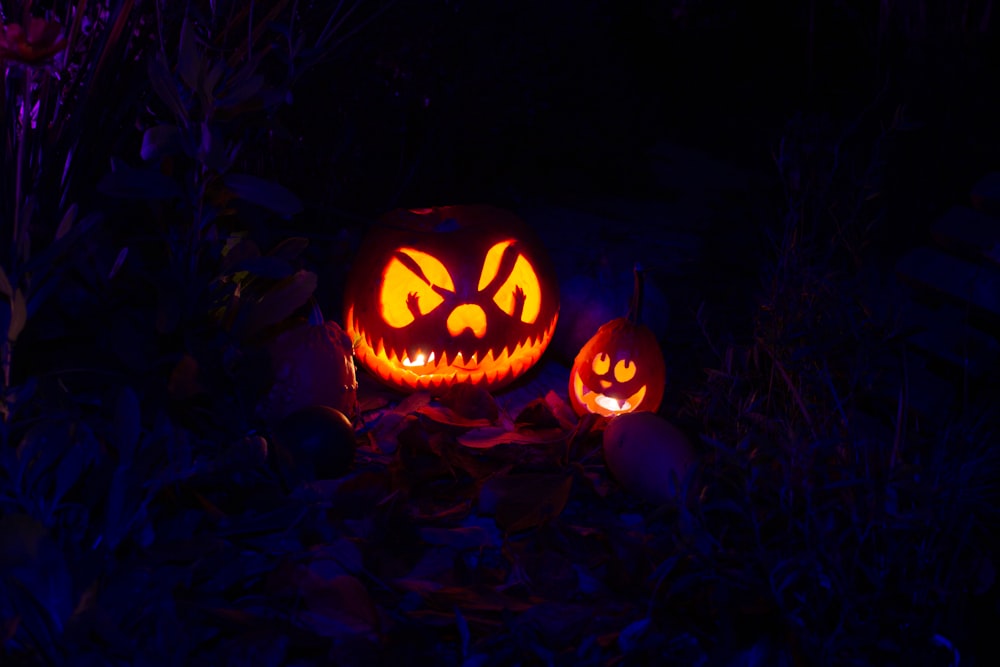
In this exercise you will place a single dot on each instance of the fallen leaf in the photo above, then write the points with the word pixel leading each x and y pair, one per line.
pixel 482 598
pixel 470 402
pixel 490 436
pixel 520 502
pixel 448 417
pixel 472 537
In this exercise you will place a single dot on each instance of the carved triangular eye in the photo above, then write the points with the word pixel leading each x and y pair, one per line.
pixel 520 293
pixel 409 284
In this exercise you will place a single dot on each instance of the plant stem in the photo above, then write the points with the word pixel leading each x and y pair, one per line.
pixel 635 307
pixel 22 140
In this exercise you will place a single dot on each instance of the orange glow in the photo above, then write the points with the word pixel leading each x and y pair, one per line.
pixel 441 369
pixel 521 281
pixel 602 362
pixel 401 286
pixel 620 369
pixel 624 370
pixel 491 265
pixel 467 316
pixel 522 277
pixel 601 404
pixel 451 294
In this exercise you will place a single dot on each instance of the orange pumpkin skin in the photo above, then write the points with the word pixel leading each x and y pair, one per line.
pixel 620 369
pixel 447 295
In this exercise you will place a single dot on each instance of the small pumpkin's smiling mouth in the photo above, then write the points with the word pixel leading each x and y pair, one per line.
pixel 602 404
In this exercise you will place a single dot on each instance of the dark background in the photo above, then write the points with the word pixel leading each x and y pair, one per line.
pixel 835 124
pixel 440 102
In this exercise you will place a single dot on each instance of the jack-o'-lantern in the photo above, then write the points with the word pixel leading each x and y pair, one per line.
pixel 447 295
pixel 621 368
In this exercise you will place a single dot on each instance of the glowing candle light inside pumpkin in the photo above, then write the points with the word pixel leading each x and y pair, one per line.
pixel 419 360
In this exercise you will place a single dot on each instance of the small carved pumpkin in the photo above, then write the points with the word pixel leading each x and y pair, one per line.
pixel 448 295
pixel 620 369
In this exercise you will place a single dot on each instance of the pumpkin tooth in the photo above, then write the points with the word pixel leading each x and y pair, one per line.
pixel 379 348
pixel 443 360
pixel 477 377
pixel 491 375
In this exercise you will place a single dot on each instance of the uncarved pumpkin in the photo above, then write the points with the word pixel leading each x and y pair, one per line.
pixel 448 295
pixel 621 368
pixel 312 365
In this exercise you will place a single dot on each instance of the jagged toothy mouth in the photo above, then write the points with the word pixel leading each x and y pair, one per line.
pixel 429 369
pixel 602 404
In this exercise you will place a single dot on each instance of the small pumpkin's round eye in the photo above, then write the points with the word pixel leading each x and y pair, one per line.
pixel 625 370
pixel 601 363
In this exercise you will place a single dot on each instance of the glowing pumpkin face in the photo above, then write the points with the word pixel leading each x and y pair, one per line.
pixel 447 295
pixel 620 369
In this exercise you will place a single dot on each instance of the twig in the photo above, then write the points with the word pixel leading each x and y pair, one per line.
pixel 791 387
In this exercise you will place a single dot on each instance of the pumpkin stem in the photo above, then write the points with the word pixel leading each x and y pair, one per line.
pixel 635 307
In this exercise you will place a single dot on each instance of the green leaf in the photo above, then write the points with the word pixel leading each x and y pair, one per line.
pixel 129 183
pixel 212 78
pixel 264 267
pixel 264 193
pixel 67 222
pixel 281 301
pixel 289 248
pixel 41 264
pixel 127 424
pixel 213 151
pixel 18 316
pixel 5 287
pixel 160 141
pixel 240 93
pixel 164 86
pixel 188 57
pixel 523 501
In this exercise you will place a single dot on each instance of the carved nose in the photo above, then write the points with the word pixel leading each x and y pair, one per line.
pixel 605 384
pixel 467 316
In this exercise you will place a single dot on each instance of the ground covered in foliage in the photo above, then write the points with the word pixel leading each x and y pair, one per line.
pixel 171 205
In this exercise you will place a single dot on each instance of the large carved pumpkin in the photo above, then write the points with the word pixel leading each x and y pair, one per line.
pixel 454 294
pixel 621 368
